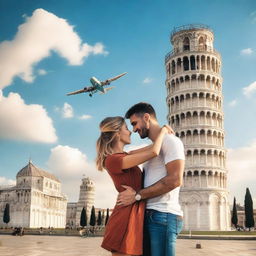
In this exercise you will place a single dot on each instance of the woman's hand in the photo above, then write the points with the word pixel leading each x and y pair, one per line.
pixel 164 130
pixel 169 129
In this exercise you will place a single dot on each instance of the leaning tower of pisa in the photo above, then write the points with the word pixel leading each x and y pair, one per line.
pixel 194 99
pixel 86 198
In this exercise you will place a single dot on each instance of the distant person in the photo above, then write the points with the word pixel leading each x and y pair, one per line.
pixel 124 230
pixel 163 178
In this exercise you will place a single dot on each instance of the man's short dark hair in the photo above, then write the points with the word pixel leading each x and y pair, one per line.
pixel 141 108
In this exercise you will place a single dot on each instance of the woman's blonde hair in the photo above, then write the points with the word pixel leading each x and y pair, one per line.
pixel 109 128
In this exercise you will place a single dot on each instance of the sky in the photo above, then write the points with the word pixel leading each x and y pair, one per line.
pixel 49 48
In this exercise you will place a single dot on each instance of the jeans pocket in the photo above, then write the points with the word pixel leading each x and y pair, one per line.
pixel 179 224
pixel 159 218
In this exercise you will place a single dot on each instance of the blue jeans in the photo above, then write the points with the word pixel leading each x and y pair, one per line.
pixel 160 233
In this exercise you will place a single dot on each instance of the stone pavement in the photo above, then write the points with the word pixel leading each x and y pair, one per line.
pixel 77 246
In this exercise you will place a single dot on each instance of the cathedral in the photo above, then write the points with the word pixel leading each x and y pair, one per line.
pixel 35 201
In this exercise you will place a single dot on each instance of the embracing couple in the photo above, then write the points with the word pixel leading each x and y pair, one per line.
pixel 147 218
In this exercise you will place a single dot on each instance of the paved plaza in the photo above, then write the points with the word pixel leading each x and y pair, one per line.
pixel 77 246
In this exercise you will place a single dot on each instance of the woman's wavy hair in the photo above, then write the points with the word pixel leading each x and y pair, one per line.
pixel 109 128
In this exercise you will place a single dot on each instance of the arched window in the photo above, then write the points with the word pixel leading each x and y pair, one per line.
pixel 201 43
pixel 208 63
pixel 179 65
pixel 185 63
pixel 173 67
pixel 172 120
pixel 192 62
pixel 197 62
pixel 186 46
pixel 177 120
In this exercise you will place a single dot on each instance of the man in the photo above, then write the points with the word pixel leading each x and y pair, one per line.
pixel 162 181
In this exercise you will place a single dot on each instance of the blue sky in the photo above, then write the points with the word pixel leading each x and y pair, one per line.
pixel 75 40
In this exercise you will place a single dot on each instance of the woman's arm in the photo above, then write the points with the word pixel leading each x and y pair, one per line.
pixel 135 151
pixel 143 156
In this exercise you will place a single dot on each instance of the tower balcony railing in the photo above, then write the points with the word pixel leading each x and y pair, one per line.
pixel 208 144
pixel 205 106
pixel 189 27
pixel 196 124
pixel 205 49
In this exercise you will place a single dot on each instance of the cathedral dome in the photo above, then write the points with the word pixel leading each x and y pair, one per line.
pixel 34 171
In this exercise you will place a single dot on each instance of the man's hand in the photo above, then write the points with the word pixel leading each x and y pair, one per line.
pixel 126 197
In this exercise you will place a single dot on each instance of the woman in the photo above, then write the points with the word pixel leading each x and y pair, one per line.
pixel 124 231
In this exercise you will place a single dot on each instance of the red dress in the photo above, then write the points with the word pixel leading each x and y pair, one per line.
pixel 124 231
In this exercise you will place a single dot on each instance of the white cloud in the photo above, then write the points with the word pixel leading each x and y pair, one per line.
pixel 19 121
pixel 40 34
pixel 67 111
pixel 9 182
pixel 70 164
pixel 147 80
pixel 41 72
pixel 241 163
pixel 232 103
pixel 67 161
pixel 250 89
pixel 247 51
pixel 253 17
pixel 84 117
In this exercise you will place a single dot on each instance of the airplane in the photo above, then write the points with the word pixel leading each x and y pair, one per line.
pixel 97 86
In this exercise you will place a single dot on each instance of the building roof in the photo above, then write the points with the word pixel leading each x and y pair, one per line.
pixel 32 170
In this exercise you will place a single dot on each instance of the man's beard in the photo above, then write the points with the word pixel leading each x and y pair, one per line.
pixel 144 132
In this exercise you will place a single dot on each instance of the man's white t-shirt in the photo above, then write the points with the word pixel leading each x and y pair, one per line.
pixel 172 149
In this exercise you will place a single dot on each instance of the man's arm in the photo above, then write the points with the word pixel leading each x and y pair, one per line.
pixel 172 180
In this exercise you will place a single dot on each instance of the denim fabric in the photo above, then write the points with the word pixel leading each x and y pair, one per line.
pixel 161 231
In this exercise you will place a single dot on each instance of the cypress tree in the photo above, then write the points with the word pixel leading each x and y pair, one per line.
pixel 107 217
pixel 248 209
pixel 83 218
pixel 103 218
pixel 6 217
pixel 93 217
pixel 99 219
pixel 234 219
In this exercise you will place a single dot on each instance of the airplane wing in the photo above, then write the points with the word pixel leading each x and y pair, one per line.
pixel 86 89
pixel 107 89
pixel 108 81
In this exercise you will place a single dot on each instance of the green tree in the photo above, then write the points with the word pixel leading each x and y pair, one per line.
pixel 248 209
pixel 99 219
pixel 103 218
pixel 83 218
pixel 93 217
pixel 107 217
pixel 6 217
pixel 234 219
